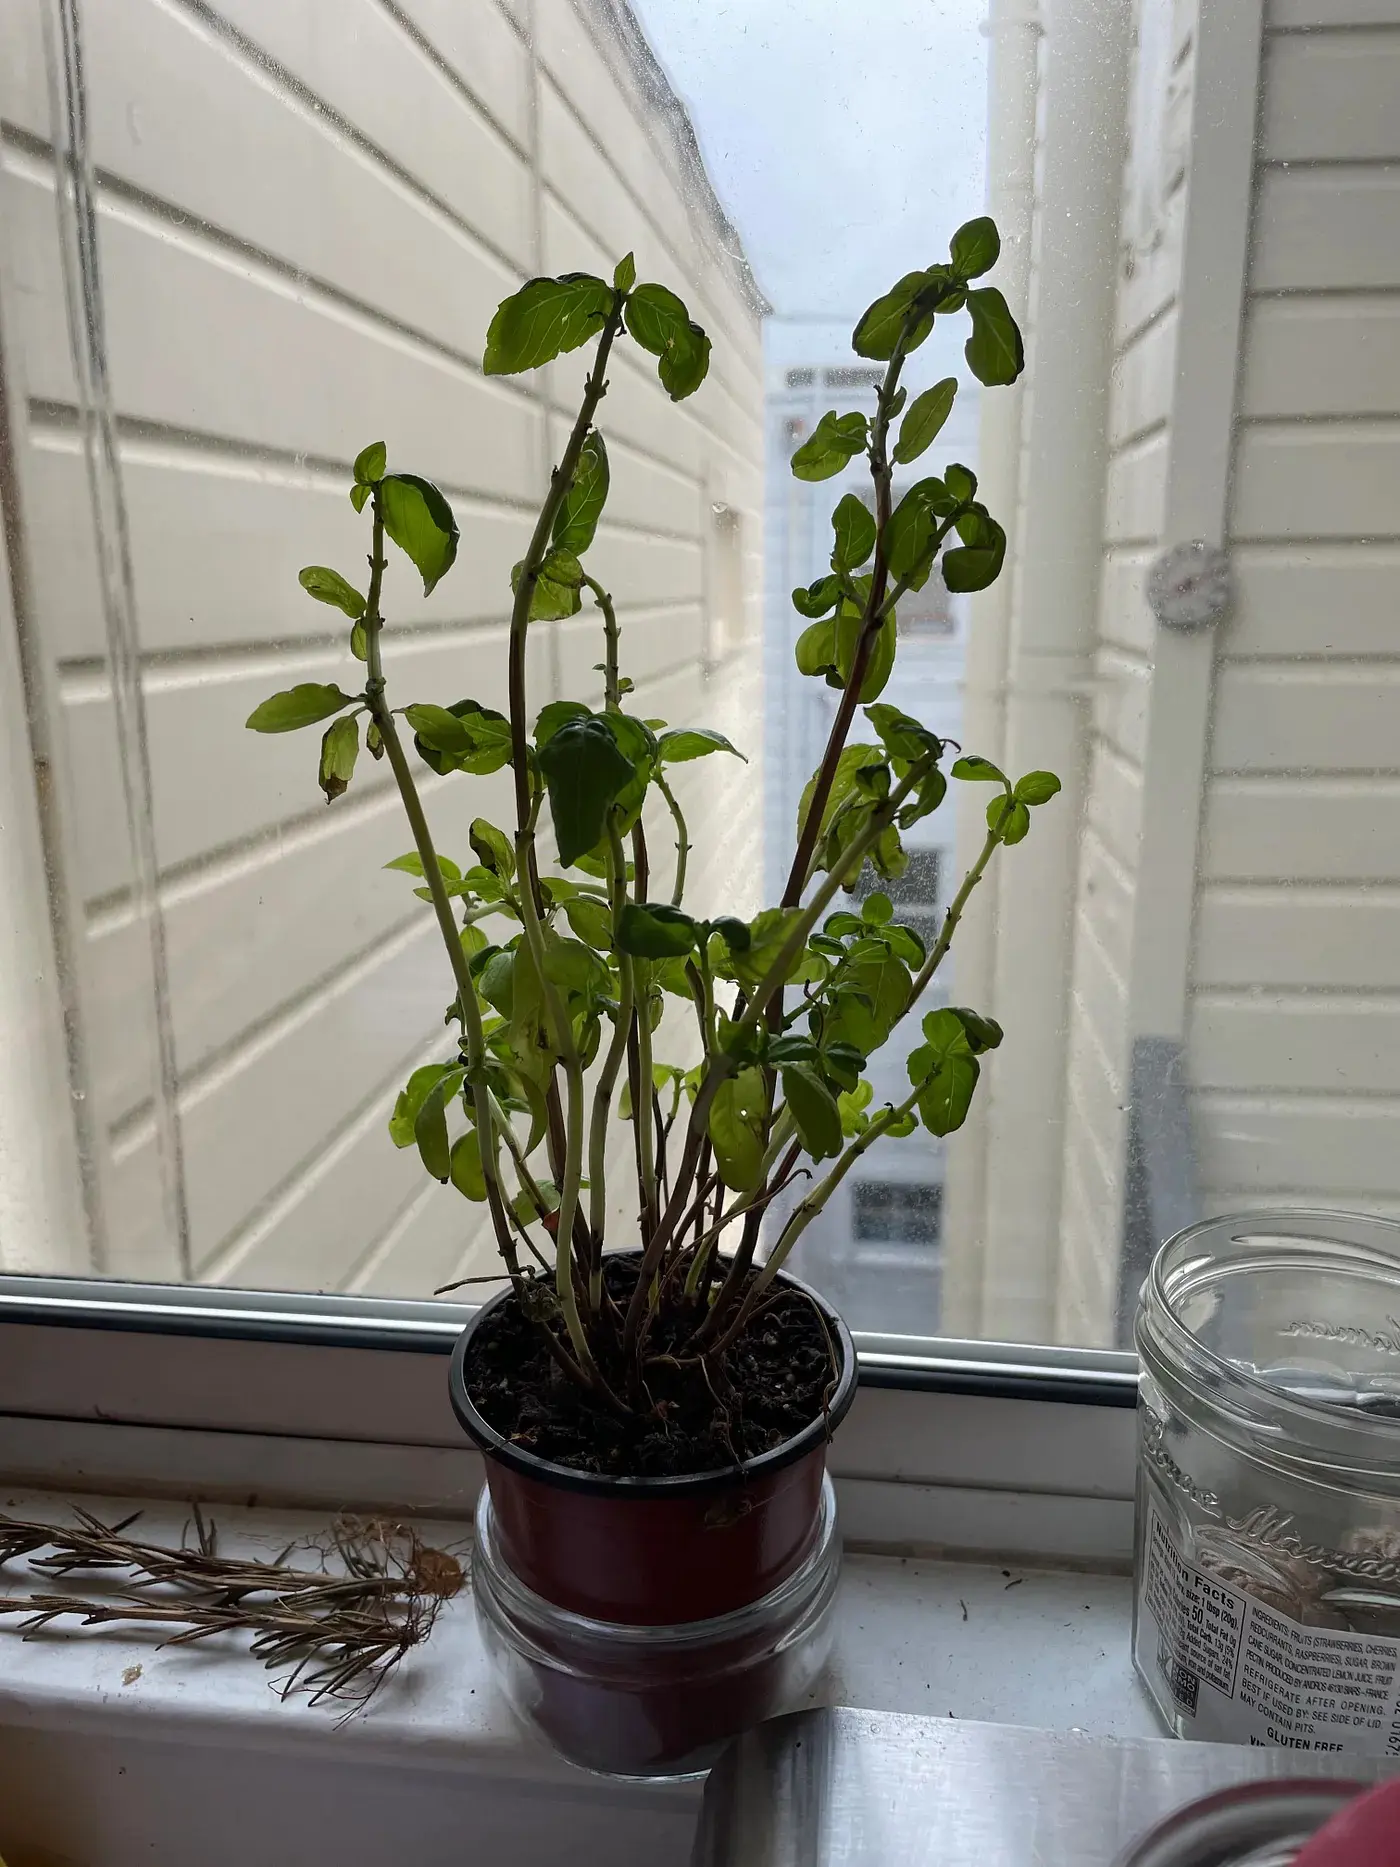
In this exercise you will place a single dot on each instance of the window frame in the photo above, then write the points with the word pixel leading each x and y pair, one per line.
pixel 341 1402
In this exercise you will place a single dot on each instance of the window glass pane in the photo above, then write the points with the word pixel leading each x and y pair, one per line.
pixel 240 242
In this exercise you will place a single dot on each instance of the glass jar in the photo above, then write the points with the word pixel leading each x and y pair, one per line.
pixel 1267 1601
pixel 655 1701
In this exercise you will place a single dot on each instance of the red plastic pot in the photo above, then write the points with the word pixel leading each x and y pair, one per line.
pixel 652 1552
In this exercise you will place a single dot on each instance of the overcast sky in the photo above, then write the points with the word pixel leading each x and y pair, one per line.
pixel 846 138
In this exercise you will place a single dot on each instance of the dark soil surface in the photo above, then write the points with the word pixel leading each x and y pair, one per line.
pixel 772 1383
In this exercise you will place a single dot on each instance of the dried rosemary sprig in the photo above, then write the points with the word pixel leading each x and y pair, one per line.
pixel 340 1629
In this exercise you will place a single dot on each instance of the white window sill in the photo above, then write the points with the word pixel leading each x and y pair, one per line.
pixel 194 1757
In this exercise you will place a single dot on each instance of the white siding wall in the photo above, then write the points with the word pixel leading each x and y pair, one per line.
pixel 1290 1007
pixel 309 209
pixel 1140 441
pixel 1295 1012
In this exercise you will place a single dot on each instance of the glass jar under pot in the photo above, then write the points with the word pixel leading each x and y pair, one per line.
pixel 1267 1598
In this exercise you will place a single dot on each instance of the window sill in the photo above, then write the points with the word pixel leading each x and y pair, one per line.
pixel 194 1757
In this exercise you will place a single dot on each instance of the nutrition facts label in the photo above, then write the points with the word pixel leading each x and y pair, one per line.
pixel 1237 1670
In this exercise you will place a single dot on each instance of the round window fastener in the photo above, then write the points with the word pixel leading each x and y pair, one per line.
pixel 1366 1833
pixel 1189 586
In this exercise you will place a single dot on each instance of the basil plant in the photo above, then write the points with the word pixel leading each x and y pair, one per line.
pixel 562 957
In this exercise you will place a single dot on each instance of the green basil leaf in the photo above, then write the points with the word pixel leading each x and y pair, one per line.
pixel 975 247
pixel 879 330
pixel 493 848
pixel 370 463
pixel 854 526
pixel 590 920
pixel 994 352
pixel 558 585
pixel 430 1123
pixel 625 273
pixel 736 1124
pixel 977 770
pixel 328 586
pixel 834 441
pixel 901 735
pixel 412 864
pixel 543 320
pixel 411 1098
pixel 818 599
pixel 814 1111
pixel 655 930
pixel 553 715
pixel 585 770
pixel 660 323
pixel 816 648
pixel 298 706
pixel 927 414
pixel 684 743
pixel 340 747
pixel 464 1166
pixel 854 761
pixel 420 522
pixel 1008 819
pixel 982 1033
pixel 975 565
pixel 578 517
pixel 1037 787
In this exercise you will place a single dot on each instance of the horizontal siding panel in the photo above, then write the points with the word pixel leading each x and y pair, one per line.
pixel 214 783
pixel 1106 901
pixel 1114 804
pixel 191 120
pixel 1319 481
pixel 1314 13
pixel 1140 386
pixel 1122 687
pixel 251 937
pixel 1151 281
pixel 1100 997
pixel 1308 830
pixel 1135 497
pixel 652 645
pixel 355 57
pixel 1124 617
pixel 241 1148
pixel 1332 98
pixel 1335 1148
pixel 483 52
pixel 217 543
pixel 1316 937
pixel 1326 229
pixel 437 1239
pixel 289 371
pixel 1315 599
pixel 641 149
pixel 1323 1043
pixel 1322 356
pixel 1309 717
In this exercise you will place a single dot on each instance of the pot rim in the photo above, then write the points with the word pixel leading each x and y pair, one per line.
pixel 652 1488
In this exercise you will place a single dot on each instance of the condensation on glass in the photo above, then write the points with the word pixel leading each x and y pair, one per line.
pixel 238 241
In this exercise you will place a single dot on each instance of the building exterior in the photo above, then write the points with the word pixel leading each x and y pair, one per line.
pixel 305 213
pixel 1215 345
pixel 876 1249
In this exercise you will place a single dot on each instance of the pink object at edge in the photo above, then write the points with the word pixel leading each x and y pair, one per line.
pixel 1365 1834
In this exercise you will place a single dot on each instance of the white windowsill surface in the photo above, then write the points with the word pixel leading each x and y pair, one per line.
pixel 1008 1644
